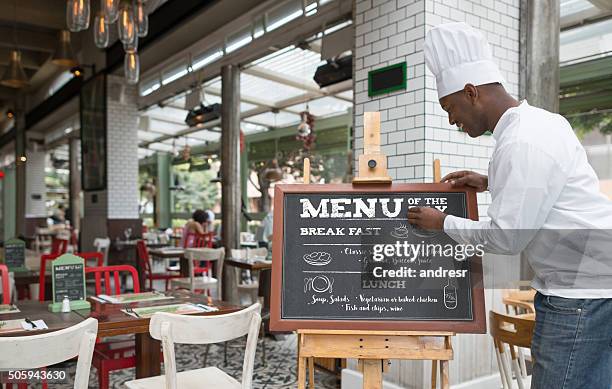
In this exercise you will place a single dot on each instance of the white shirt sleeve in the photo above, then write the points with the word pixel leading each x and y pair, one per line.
pixel 525 182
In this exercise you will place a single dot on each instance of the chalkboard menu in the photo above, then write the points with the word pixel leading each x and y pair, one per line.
pixel 345 257
pixel 14 254
pixel 68 277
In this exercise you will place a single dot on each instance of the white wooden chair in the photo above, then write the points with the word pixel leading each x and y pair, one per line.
pixel 102 245
pixel 36 351
pixel 194 282
pixel 511 334
pixel 172 328
pixel 249 289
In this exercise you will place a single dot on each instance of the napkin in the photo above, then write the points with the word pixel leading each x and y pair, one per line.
pixel 40 325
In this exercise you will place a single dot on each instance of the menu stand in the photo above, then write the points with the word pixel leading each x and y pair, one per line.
pixel 374 349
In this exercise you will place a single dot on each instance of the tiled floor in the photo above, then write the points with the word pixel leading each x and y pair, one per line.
pixel 279 371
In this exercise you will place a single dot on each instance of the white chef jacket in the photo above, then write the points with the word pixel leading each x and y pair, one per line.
pixel 547 203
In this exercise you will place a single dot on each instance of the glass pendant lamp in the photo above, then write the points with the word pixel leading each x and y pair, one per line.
pixel 77 15
pixel 131 68
pixel 110 8
pixel 126 24
pixel 100 31
pixel 142 19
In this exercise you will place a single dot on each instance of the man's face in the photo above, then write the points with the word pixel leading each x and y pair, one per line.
pixel 464 111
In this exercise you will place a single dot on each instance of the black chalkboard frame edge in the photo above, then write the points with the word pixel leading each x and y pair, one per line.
pixel 477 326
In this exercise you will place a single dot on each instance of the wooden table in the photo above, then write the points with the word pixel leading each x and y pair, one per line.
pixel 35 310
pixel 167 252
pixel 252 265
pixel 112 322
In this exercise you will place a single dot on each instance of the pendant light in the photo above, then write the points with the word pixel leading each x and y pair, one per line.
pixel 100 31
pixel 14 76
pixel 131 68
pixel 63 55
pixel 77 15
pixel 110 8
pixel 126 24
pixel 131 47
pixel 142 19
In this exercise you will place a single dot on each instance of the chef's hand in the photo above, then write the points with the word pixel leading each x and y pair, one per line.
pixel 426 218
pixel 473 180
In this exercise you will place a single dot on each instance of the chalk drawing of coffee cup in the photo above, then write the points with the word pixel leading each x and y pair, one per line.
pixel 400 232
pixel 317 258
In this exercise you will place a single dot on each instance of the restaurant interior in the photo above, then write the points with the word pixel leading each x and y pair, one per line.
pixel 146 140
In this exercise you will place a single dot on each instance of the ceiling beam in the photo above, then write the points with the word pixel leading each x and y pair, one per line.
pixel 588 16
pixel 605 5
pixel 282 79
pixel 40 13
pixel 291 33
pixel 330 90
pixel 28 40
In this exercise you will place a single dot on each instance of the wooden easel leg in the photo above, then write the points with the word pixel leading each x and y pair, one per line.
pixel 311 370
pixel 372 374
pixel 301 373
pixel 434 374
pixel 444 375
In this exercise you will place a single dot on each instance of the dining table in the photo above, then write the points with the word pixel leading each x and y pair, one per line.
pixel 112 321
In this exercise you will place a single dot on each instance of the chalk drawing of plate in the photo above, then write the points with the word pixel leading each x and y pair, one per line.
pixel 322 284
pixel 317 258
pixel 400 232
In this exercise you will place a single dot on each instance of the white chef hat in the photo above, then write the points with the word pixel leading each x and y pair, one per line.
pixel 458 54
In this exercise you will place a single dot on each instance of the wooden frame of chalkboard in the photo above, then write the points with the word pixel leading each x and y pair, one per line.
pixel 475 321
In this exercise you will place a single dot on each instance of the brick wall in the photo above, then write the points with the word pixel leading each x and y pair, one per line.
pixel 499 21
pixel 389 32
pixel 122 147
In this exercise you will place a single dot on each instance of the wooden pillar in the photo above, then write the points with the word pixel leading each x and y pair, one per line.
pixel 539 53
pixel 539 65
pixel 20 172
pixel 230 171
pixel 75 182
pixel 162 197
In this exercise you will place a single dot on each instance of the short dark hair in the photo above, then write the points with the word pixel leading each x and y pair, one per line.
pixel 200 216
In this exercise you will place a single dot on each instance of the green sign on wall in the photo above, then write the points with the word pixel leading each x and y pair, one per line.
pixel 388 79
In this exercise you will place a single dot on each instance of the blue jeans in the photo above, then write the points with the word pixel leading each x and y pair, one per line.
pixel 572 343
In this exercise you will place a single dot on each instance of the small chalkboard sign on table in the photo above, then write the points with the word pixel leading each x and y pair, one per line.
pixel 14 255
pixel 348 269
pixel 68 279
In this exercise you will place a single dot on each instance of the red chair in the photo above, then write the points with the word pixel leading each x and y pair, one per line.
pixel 112 355
pixel 42 277
pixel 6 299
pixel 92 256
pixel 59 246
pixel 193 239
pixel 145 264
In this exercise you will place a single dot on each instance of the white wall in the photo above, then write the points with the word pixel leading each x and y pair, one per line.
pixel 122 147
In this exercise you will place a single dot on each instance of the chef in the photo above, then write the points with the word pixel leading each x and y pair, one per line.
pixel 545 202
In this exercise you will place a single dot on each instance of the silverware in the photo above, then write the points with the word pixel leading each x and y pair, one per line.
pixel 132 311
pixel 30 322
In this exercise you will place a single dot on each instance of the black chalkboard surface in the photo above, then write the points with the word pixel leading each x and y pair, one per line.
pixel 14 254
pixel 345 257
pixel 68 280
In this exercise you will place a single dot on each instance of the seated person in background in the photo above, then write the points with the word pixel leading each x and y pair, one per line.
pixel 196 225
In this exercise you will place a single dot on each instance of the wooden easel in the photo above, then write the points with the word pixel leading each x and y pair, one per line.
pixel 374 349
